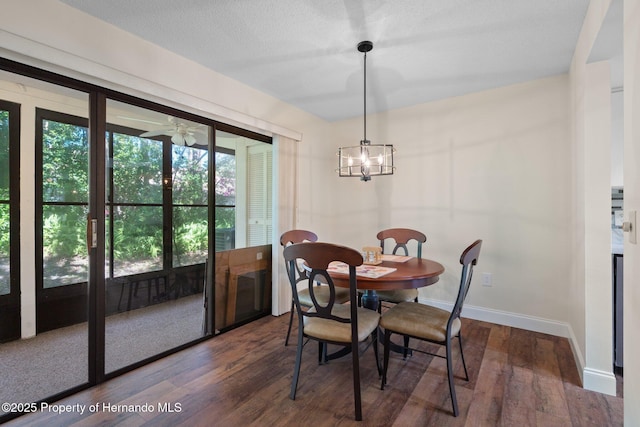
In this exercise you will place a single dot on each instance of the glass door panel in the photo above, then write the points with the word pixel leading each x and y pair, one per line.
pixel 53 293
pixel 9 221
pixel 156 233
pixel 243 206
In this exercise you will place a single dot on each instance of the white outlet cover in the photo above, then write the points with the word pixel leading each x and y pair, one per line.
pixel 486 279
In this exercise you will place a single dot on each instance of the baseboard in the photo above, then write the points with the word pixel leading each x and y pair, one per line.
pixel 592 379
pixel 600 381
pixel 514 320
pixel 577 354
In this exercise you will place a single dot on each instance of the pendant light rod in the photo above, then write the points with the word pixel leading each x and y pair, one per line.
pixel 365 97
pixel 364 47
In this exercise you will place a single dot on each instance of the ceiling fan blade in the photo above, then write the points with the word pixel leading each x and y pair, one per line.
pixel 198 129
pixel 156 133
pixel 177 139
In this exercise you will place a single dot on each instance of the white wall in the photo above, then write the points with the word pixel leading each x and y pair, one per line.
pixel 598 373
pixel 631 202
pixel 590 285
pixel 493 165
pixel 526 168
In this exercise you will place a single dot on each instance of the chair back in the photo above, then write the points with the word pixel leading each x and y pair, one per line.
pixel 402 236
pixel 468 259
pixel 297 236
pixel 317 257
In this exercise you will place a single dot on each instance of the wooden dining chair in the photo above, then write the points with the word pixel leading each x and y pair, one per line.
pixel 432 324
pixel 401 236
pixel 345 325
pixel 322 293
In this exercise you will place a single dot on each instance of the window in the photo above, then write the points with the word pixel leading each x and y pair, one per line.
pixel 243 200
pixel 189 184
pixel 152 186
pixel 9 213
pixel 134 215
pixel 259 203
pixel 5 201
pixel 65 191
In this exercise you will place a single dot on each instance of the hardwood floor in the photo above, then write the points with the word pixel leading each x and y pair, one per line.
pixel 243 377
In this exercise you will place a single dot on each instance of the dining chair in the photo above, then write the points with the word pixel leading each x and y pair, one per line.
pixel 345 325
pixel 401 236
pixel 432 324
pixel 322 293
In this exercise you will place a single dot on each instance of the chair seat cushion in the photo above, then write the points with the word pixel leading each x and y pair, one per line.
pixel 398 295
pixel 322 295
pixel 331 330
pixel 420 321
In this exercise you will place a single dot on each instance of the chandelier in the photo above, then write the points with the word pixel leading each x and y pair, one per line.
pixel 365 160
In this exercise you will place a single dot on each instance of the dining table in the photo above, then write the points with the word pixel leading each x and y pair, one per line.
pixel 393 272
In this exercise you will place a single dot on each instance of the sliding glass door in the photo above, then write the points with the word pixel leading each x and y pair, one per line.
pixel 156 233
pixel 143 229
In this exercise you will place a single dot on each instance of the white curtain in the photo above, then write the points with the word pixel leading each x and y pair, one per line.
pixel 284 216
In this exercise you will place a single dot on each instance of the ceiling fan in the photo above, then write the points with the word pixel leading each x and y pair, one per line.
pixel 181 133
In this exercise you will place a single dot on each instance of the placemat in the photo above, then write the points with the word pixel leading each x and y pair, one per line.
pixel 369 271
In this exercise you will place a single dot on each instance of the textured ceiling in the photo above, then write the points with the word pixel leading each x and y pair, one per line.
pixel 304 51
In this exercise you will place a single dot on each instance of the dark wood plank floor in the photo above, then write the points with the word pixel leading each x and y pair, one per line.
pixel 242 378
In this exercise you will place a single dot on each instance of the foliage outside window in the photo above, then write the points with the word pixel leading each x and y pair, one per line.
pixel 190 190
pixel 64 197
pixel 135 212
pixel 134 207
pixel 4 203
pixel 141 184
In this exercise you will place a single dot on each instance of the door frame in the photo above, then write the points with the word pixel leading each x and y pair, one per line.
pixel 10 310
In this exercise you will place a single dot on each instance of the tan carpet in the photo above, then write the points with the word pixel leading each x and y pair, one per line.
pixel 33 369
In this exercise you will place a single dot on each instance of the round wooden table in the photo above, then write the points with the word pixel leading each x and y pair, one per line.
pixel 411 274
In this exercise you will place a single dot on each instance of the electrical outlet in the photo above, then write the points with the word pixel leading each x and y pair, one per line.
pixel 487 279
pixel 259 256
